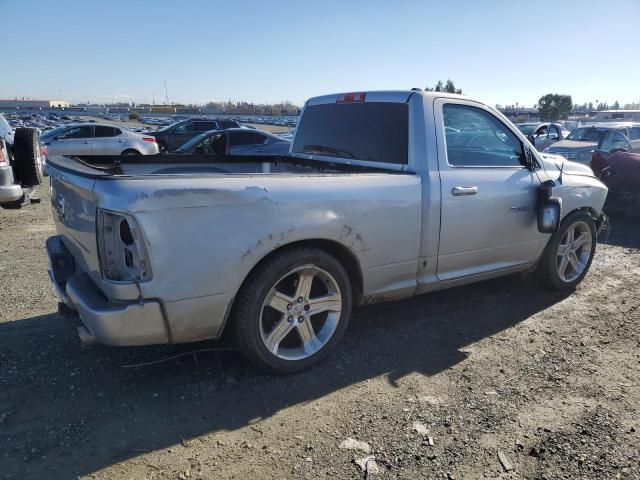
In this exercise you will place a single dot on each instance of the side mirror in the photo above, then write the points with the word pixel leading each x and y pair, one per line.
pixel 532 139
pixel 528 160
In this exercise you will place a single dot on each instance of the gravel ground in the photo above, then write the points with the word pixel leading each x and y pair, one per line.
pixel 464 383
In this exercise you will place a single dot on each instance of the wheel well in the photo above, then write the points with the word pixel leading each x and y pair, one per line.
pixel 130 150
pixel 341 253
pixel 588 210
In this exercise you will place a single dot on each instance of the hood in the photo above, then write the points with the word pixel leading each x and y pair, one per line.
pixel 554 163
pixel 572 145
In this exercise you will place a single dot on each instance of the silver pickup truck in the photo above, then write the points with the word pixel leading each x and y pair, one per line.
pixel 383 195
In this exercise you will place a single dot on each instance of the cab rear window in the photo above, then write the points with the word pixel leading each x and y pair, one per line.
pixel 373 131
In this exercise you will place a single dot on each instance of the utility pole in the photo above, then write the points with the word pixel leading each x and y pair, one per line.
pixel 153 98
pixel 166 95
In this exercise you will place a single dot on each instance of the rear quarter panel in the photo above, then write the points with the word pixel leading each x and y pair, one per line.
pixel 205 234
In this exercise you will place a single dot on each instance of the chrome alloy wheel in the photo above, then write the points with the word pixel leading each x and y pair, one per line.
pixel 300 313
pixel 574 251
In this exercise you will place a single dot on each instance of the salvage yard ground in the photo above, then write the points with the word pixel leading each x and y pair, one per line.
pixel 464 383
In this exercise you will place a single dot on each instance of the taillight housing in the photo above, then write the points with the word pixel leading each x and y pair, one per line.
pixel 121 248
pixel 149 139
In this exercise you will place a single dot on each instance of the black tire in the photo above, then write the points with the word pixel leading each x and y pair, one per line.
pixel 27 157
pixel 246 316
pixel 547 270
pixel 162 147
pixel 131 151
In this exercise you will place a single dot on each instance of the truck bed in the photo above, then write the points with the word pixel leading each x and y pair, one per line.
pixel 103 166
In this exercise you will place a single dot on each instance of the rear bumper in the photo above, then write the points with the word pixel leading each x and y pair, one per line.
pixel 9 191
pixel 106 321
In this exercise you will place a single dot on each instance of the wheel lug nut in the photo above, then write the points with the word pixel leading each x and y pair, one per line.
pixel 300 319
pixel 300 299
pixel 289 307
pixel 306 308
pixel 290 319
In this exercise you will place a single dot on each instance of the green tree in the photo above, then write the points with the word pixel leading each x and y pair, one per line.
pixel 553 106
pixel 134 116
pixel 447 87
pixel 616 106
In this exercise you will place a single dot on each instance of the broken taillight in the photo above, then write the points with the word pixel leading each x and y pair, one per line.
pixel 121 248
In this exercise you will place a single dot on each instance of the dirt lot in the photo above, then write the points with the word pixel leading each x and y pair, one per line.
pixel 436 386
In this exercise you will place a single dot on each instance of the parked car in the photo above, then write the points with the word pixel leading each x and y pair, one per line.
pixel 542 135
pixel 236 141
pixel 360 212
pixel 581 143
pixel 21 165
pixel 177 134
pixel 617 164
pixel 97 139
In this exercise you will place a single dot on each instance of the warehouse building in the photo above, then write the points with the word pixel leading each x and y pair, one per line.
pixel 32 104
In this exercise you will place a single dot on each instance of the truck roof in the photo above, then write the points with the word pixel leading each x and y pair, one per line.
pixel 392 96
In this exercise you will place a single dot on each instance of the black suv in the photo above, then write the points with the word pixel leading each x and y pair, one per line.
pixel 173 136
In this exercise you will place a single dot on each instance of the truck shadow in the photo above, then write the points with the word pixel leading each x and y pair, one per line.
pixel 72 410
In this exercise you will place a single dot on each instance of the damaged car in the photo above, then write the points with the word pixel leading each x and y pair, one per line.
pixel 384 195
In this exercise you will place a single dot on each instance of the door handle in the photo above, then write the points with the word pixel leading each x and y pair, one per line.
pixel 462 191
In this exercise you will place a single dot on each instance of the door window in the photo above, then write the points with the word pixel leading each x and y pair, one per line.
pixel 76 132
pixel 205 126
pixel 634 133
pixel 184 128
pixel 613 140
pixel 478 139
pixel 246 138
pixel 103 131
pixel 554 133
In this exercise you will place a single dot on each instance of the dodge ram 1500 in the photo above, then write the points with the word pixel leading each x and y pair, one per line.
pixel 383 195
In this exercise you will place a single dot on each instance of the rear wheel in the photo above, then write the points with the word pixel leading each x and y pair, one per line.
pixel 163 147
pixel 292 310
pixel 27 156
pixel 569 253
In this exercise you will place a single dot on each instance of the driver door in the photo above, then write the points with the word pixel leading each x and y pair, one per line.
pixel 488 217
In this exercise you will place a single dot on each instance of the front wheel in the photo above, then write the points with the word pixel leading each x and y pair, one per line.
pixel 292 310
pixel 569 253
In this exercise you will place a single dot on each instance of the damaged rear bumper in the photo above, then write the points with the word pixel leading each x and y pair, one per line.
pixel 105 321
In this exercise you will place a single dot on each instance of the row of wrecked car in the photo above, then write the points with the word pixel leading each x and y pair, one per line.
pixel 611 149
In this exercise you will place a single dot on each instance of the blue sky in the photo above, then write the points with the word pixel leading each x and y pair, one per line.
pixel 263 51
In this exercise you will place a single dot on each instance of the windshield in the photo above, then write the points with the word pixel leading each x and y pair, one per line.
pixel 586 134
pixel 192 143
pixel 527 129
pixel 54 132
